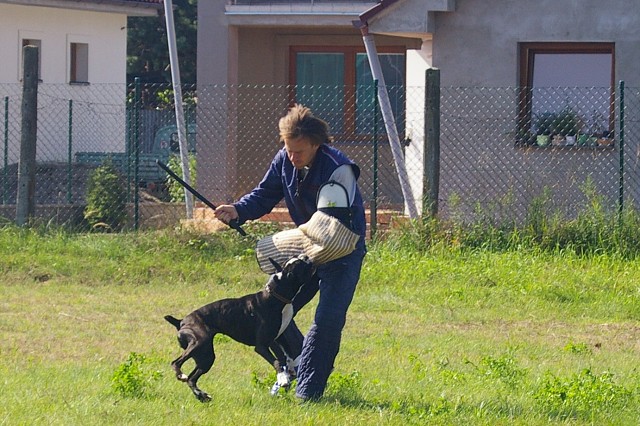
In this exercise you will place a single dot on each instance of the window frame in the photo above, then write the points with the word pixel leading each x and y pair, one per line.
pixel 75 64
pixel 527 52
pixel 350 52
pixel 72 59
pixel 24 37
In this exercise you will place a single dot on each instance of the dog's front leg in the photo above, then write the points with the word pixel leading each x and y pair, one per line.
pixel 279 363
pixel 283 375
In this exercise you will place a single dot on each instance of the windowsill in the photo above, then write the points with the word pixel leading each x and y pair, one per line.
pixel 79 83
pixel 566 147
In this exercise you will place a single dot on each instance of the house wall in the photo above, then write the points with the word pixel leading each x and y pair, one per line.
pixel 477 46
pixel 99 107
pixel 104 32
pixel 253 62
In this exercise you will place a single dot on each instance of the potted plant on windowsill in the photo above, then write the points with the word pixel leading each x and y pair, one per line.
pixel 605 138
pixel 565 127
pixel 543 124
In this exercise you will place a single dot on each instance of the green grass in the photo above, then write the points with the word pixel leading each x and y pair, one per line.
pixel 443 335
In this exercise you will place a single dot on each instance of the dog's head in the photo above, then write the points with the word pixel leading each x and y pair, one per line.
pixel 292 275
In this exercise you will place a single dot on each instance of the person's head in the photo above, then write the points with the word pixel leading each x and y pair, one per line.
pixel 302 135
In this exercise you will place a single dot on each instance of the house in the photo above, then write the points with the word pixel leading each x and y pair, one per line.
pixel 491 44
pixel 82 56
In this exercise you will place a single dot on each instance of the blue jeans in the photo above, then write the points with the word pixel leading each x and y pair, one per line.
pixel 336 282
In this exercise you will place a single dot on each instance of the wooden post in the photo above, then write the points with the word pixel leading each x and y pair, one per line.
pixel 431 165
pixel 25 202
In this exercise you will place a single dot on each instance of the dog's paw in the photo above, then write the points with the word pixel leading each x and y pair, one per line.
pixel 182 377
pixel 202 396
pixel 283 379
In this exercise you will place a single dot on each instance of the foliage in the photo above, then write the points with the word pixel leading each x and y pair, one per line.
pixel 147 46
pixel 106 199
pixel 544 122
pixel 566 122
pixel 583 393
pixel 454 335
pixel 131 378
pixel 595 229
pixel 175 189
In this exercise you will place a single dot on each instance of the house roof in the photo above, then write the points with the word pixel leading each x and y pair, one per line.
pixel 129 7
pixel 408 18
pixel 290 14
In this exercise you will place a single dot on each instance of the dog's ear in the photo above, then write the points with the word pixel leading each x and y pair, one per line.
pixel 275 265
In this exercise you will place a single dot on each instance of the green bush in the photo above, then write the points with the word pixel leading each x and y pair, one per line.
pixel 106 199
pixel 176 191
pixel 131 378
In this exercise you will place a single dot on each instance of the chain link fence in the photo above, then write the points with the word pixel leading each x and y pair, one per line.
pixel 504 152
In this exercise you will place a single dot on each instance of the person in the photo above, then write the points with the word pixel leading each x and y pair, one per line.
pixel 299 169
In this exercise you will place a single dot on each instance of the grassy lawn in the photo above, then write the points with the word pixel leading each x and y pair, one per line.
pixel 446 336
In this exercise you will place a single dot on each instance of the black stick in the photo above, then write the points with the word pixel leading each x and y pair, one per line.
pixel 232 224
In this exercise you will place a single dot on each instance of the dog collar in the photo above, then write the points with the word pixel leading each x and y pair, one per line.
pixel 276 295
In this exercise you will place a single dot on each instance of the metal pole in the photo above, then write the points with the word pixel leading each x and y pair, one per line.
pixel 70 153
pixel 374 201
pixel 621 153
pixel 390 124
pixel 431 162
pixel 136 153
pixel 5 180
pixel 177 91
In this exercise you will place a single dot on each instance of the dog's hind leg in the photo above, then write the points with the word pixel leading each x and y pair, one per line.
pixel 190 343
pixel 204 358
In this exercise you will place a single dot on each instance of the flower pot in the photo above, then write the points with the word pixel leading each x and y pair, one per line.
pixel 605 141
pixel 570 140
pixel 542 140
pixel 558 140
pixel 583 139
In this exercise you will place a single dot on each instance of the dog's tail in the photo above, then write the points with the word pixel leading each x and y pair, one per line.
pixel 174 321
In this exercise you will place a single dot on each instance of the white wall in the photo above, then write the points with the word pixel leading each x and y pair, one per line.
pixel 99 107
pixel 105 33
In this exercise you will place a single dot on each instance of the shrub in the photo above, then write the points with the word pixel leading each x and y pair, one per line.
pixel 581 394
pixel 175 189
pixel 131 379
pixel 106 199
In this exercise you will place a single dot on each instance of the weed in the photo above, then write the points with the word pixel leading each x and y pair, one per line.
pixel 582 394
pixel 131 378
pixel 503 368
pixel 344 384
pixel 577 348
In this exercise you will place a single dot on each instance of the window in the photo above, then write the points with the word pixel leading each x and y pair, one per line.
pixel 31 42
pixel 336 83
pixel 78 63
pixel 567 88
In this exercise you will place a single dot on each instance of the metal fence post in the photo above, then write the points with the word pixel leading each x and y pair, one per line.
pixel 136 153
pixel 70 153
pixel 25 200
pixel 431 162
pixel 621 155
pixel 373 208
pixel 5 177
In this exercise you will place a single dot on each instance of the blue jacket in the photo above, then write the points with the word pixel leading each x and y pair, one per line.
pixel 282 181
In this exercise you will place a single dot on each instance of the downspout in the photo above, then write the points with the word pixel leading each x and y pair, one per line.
pixel 177 92
pixel 385 108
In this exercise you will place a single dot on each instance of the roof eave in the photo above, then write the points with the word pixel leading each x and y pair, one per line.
pixel 128 7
